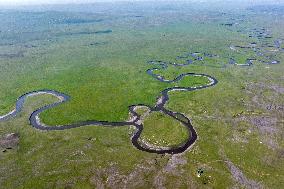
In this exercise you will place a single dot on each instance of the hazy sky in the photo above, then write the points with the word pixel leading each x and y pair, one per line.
pixel 36 2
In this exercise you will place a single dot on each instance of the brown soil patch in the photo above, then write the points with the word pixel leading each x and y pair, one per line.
pixel 238 175
pixel 240 178
pixel 9 141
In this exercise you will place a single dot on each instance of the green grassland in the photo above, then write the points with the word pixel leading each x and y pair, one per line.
pixel 104 73
pixel 171 128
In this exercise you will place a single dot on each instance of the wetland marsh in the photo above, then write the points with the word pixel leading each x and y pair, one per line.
pixel 142 95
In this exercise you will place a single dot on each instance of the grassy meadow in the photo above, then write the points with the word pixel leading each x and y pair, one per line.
pixel 99 59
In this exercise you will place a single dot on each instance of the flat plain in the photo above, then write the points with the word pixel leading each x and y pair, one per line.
pixel 100 55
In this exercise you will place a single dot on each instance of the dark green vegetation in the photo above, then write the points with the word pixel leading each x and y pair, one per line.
pixel 239 121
